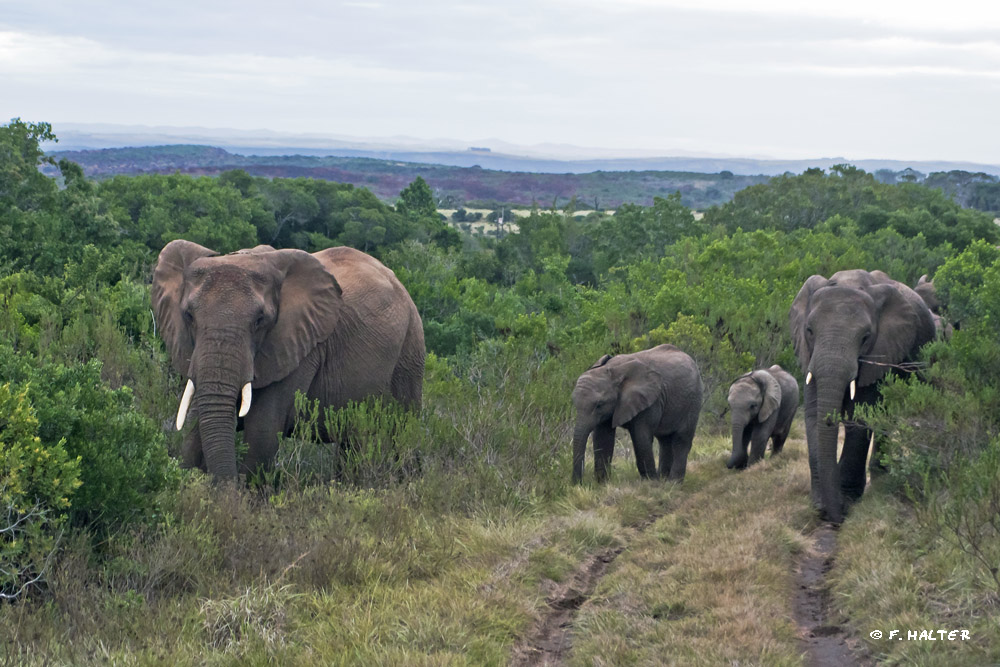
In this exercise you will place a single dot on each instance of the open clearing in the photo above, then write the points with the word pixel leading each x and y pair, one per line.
pixel 729 568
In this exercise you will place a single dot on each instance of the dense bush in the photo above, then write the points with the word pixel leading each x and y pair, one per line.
pixel 123 462
pixel 37 483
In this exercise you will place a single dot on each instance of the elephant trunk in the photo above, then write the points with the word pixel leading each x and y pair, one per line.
pixel 580 435
pixel 222 368
pixel 217 426
pixel 832 380
pixel 739 455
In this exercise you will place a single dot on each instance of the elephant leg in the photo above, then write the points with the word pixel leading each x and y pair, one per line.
pixel 778 442
pixel 875 465
pixel 272 412
pixel 852 461
pixel 758 443
pixel 642 444
pixel 682 447
pixel 192 455
pixel 666 454
pixel 604 450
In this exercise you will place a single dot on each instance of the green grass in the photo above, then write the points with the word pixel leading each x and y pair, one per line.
pixel 891 575
pixel 337 575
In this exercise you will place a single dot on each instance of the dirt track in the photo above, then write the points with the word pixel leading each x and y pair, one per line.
pixel 824 639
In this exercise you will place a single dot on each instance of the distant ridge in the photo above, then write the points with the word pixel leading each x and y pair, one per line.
pixel 487 155
pixel 453 186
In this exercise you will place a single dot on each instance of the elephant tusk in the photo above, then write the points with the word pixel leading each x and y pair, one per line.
pixel 245 400
pixel 809 377
pixel 185 404
pixel 853 387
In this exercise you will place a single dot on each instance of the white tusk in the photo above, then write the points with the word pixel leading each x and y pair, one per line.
pixel 185 404
pixel 809 377
pixel 245 400
pixel 853 382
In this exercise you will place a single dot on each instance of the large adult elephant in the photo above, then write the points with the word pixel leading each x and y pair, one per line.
pixel 653 393
pixel 849 331
pixel 251 328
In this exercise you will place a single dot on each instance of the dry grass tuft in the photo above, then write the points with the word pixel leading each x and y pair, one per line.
pixel 256 615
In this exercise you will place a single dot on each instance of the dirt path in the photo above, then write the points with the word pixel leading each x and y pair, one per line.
pixel 549 641
pixel 824 640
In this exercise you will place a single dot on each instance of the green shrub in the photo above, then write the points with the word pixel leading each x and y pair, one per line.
pixel 123 460
pixel 36 483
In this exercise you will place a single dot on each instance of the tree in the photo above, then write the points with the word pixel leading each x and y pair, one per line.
pixel 417 200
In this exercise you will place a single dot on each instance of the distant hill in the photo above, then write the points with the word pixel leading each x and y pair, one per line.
pixel 485 153
pixel 452 185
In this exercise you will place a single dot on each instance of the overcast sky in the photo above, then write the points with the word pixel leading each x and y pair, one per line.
pixel 781 78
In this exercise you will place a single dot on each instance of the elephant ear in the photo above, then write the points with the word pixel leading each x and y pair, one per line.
pixel 797 318
pixel 310 305
pixel 904 324
pixel 600 362
pixel 640 387
pixel 770 392
pixel 166 294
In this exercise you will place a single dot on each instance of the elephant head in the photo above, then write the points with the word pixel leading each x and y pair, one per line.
pixel 234 323
pixel 849 332
pixel 753 399
pixel 610 395
pixel 925 288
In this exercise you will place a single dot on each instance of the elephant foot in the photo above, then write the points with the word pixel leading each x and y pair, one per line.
pixel 739 463
pixel 835 517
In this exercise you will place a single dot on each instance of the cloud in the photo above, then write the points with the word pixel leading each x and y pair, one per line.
pixel 76 61
pixel 719 75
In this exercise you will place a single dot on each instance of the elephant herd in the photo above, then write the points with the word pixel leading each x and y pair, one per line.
pixel 250 329
pixel 849 331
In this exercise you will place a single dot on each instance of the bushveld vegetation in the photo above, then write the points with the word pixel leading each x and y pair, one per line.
pixel 434 538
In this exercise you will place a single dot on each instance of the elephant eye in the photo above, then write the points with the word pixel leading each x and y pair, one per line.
pixel 186 314
pixel 259 322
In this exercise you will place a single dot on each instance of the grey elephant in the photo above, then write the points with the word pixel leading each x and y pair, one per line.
pixel 925 288
pixel 653 393
pixel 251 328
pixel 849 332
pixel 762 405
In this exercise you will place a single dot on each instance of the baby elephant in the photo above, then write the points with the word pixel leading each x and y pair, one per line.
pixel 763 404
pixel 655 392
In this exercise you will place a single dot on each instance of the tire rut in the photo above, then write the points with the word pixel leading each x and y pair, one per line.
pixel 550 639
pixel 824 641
